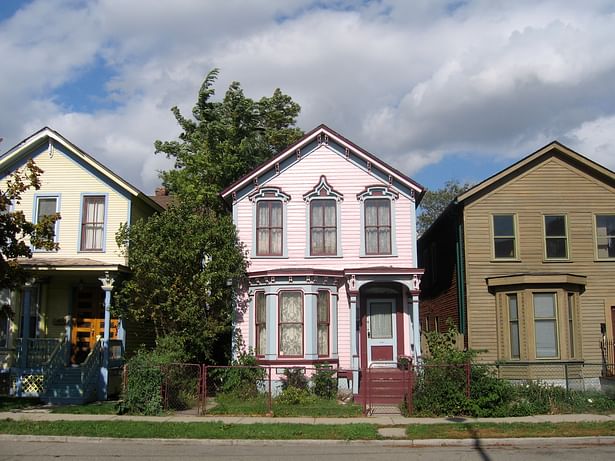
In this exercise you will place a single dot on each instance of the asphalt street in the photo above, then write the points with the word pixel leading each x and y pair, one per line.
pixel 23 450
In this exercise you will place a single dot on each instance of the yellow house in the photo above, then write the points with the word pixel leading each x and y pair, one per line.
pixel 56 333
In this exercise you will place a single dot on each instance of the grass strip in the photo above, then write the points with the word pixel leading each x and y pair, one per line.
pixel 513 430
pixel 230 405
pixel 96 408
pixel 205 430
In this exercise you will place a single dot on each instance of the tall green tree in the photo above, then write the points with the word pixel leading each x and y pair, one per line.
pixel 435 202
pixel 17 234
pixel 183 262
pixel 225 140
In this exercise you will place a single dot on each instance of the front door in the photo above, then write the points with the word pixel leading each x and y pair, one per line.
pixel 88 322
pixel 381 332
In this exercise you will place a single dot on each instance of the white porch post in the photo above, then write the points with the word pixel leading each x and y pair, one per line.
pixel 415 327
pixel 354 347
pixel 107 286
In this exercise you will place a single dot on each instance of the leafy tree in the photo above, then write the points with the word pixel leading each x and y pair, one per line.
pixel 182 261
pixel 225 140
pixel 17 234
pixel 435 202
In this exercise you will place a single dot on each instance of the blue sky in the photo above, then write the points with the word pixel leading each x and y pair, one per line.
pixel 440 89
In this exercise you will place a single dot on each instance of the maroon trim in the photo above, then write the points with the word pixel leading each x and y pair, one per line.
pixel 291 150
pixel 323 180
pixel 297 271
pixel 280 293
pixel 257 323
pixel 269 228
pixel 282 361
pixel 379 191
pixel 382 353
pixel 385 270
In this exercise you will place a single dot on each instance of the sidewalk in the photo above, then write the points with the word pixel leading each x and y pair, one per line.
pixel 379 420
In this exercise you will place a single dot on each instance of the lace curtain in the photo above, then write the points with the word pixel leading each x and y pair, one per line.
pixel 323 323
pixel 291 323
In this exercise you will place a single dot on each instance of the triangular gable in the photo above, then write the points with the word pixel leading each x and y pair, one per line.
pixel 553 149
pixel 46 136
pixel 322 135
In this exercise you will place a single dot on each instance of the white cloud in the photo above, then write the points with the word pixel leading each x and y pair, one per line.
pixel 411 81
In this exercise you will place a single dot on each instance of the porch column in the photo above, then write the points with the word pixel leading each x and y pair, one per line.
pixel 416 333
pixel 107 286
pixel 26 309
pixel 354 347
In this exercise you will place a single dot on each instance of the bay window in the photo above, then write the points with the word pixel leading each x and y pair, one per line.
pixel 323 322
pixel 290 324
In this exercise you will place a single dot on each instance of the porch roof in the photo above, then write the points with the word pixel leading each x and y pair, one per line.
pixel 70 264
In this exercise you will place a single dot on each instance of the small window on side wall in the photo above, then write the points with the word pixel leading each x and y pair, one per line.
pixel 605 236
pixel 504 238
pixel 556 237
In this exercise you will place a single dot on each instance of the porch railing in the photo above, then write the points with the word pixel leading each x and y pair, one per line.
pixel 90 370
pixel 39 351
pixel 116 353
pixel 56 362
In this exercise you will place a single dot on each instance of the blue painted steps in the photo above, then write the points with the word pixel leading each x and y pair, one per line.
pixel 66 387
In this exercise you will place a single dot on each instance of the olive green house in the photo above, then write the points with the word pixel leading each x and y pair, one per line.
pixel 524 265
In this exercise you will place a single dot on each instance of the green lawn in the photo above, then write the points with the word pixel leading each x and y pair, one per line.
pixel 515 430
pixel 205 430
pixel 96 408
pixel 22 403
pixel 231 405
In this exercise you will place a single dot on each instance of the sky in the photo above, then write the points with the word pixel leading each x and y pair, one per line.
pixel 439 89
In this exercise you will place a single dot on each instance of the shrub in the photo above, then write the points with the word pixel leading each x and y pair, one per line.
pixel 324 384
pixel 142 393
pixel 295 396
pixel 294 377
pixel 243 378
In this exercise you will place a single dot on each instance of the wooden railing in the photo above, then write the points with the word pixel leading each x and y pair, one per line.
pixel 39 351
pixel 56 362
pixel 90 369
pixel 607 346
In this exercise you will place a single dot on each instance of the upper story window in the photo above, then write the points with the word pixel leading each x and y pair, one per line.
pixel 93 223
pixel 269 222
pixel 556 237
pixel 323 220
pixel 605 236
pixel 269 228
pixel 378 227
pixel 504 236
pixel 46 205
pixel 378 233
pixel 323 227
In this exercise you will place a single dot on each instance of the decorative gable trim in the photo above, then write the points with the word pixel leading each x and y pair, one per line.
pixel 377 191
pixel 269 192
pixel 323 189
pixel 323 136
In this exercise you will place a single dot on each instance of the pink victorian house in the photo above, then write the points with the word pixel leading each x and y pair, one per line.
pixel 331 239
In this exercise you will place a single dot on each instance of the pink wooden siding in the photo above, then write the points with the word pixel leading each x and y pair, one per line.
pixel 347 179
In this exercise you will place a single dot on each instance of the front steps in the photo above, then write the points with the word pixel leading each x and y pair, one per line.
pixel 66 388
pixel 384 386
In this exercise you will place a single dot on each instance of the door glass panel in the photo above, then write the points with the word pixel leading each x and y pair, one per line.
pixel 381 324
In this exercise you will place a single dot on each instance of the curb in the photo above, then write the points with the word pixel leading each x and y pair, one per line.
pixel 541 442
